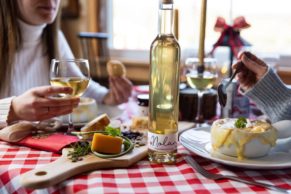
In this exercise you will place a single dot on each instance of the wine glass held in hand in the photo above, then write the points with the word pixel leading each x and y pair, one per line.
pixel 74 73
pixel 201 80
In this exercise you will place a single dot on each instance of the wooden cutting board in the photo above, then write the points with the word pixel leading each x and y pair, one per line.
pixel 62 168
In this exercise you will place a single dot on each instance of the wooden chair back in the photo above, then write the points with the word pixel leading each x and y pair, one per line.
pixel 95 48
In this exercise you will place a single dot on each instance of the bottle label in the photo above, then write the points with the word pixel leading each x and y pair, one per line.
pixel 159 142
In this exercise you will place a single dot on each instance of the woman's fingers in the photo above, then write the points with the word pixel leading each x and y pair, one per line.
pixel 254 64
pixel 255 58
pixel 55 107
pixel 117 94
pixel 51 90
pixel 56 102
pixel 121 89
pixel 54 112
pixel 253 70
pixel 35 104
pixel 42 113
pixel 250 78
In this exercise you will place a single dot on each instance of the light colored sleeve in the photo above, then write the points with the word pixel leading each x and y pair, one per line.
pixel 5 105
pixel 272 96
pixel 94 90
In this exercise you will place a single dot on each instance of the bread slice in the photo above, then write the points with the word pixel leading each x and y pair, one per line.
pixel 139 123
pixel 116 68
pixel 98 123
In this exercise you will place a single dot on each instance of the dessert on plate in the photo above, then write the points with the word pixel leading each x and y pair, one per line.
pixel 242 138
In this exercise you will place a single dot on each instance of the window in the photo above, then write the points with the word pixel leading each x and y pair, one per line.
pixel 134 23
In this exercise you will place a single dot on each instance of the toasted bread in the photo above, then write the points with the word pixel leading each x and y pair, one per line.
pixel 116 68
pixel 139 123
pixel 98 123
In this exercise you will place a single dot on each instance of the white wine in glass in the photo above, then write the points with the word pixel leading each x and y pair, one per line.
pixel 78 84
pixel 74 73
pixel 201 81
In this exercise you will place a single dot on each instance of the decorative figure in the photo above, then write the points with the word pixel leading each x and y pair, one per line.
pixel 230 36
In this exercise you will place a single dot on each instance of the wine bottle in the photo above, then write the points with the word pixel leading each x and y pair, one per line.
pixel 164 90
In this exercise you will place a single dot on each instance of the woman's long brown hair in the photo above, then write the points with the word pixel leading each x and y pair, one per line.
pixel 11 40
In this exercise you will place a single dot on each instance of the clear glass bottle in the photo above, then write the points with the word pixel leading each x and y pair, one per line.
pixel 164 90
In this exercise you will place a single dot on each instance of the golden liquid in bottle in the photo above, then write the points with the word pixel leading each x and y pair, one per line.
pixel 78 84
pixel 164 97
pixel 201 82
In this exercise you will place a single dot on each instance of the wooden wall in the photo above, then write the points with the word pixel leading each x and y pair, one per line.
pixel 285 74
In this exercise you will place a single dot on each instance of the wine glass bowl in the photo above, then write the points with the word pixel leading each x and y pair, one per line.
pixel 74 73
pixel 78 84
pixel 201 81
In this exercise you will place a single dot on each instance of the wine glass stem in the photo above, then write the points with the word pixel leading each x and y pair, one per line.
pixel 71 125
pixel 199 116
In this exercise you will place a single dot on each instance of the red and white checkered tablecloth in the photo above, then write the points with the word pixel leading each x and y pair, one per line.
pixel 142 177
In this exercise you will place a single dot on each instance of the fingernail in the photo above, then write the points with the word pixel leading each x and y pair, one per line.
pixel 248 54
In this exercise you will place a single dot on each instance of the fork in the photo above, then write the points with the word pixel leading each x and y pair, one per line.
pixel 214 176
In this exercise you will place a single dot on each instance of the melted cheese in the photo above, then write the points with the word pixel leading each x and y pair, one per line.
pixel 224 133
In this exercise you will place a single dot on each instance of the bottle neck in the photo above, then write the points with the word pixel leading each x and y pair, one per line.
pixel 166 19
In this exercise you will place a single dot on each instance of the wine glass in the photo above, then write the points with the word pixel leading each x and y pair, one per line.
pixel 74 73
pixel 201 81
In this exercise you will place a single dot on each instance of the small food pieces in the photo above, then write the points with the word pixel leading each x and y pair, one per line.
pixel 96 124
pixel 241 122
pixel 106 144
pixel 138 138
pixel 116 68
pixel 17 131
pixel 80 149
pixel 139 124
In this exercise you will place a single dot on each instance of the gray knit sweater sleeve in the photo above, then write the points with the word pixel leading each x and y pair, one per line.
pixel 272 96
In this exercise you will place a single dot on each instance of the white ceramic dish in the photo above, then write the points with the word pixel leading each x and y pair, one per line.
pixel 198 141
pixel 250 142
pixel 88 109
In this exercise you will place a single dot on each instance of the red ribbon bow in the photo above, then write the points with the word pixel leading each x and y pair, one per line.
pixel 230 35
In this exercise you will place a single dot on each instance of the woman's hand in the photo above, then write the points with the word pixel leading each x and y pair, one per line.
pixel 36 104
pixel 119 91
pixel 252 71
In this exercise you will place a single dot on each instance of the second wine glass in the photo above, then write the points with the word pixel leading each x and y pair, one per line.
pixel 201 81
pixel 74 73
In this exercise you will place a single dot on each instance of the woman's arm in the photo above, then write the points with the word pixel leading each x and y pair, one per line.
pixel 272 96
pixel 94 89
pixel 5 105
pixel 264 87
pixel 120 88
pixel 37 104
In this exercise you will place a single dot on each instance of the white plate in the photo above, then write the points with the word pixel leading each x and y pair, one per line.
pixel 198 141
